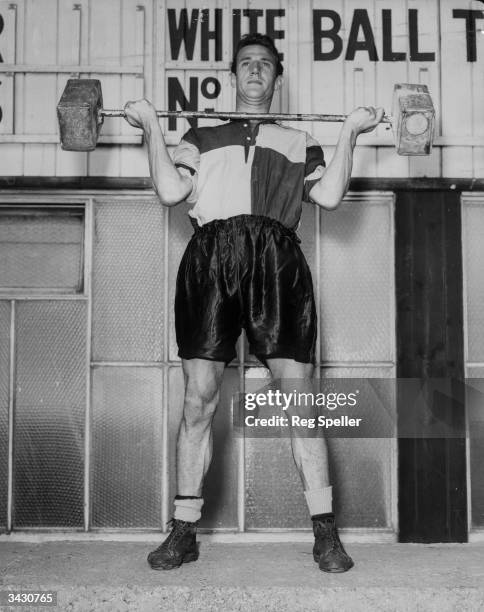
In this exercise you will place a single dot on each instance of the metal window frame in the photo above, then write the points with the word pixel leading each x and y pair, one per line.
pixel 25 206
pixel 467 198
pixel 361 198
pixel 44 201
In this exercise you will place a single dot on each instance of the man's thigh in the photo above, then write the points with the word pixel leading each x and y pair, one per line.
pixel 282 368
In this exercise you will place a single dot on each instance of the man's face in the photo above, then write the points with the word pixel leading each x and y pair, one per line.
pixel 256 78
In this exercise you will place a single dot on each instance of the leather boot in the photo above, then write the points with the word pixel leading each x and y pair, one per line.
pixel 328 550
pixel 179 547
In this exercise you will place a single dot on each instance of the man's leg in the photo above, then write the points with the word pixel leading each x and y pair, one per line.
pixel 194 448
pixel 194 453
pixel 310 454
pixel 311 459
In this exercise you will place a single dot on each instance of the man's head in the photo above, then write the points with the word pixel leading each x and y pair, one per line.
pixel 256 72
pixel 257 39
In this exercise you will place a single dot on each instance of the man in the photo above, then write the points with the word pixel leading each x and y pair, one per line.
pixel 243 268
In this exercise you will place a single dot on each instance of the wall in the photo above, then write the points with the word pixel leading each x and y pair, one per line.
pixel 337 54
pixel 139 48
pixel 91 386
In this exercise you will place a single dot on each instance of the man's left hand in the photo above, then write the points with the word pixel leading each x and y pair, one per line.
pixel 364 119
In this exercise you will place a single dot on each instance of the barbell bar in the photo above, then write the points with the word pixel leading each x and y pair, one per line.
pixel 107 112
pixel 81 115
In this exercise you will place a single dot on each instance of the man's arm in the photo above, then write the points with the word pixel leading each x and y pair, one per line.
pixel 170 186
pixel 332 186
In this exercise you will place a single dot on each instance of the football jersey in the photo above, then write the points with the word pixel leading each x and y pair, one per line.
pixel 235 169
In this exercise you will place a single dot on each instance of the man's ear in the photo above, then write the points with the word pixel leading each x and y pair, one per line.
pixel 278 82
pixel 233 79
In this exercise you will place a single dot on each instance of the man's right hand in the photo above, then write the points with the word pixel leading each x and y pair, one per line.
pixel 140 113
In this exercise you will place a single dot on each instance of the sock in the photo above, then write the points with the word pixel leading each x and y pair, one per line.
pixel 319 501
pixel 188 508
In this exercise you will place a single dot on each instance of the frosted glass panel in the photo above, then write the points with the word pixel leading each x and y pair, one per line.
pixel 128 300
pixel 41 249
pixel 4 394
pixel 473 256
pixel 126 441
pixel 357 280
pixel 49 414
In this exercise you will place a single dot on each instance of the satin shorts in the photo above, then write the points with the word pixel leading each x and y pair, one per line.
pixel 246 272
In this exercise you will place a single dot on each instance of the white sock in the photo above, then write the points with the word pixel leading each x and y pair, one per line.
pixel 319 501
pixel 189 510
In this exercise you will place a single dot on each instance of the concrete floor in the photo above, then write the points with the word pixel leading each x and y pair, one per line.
pixel 114 576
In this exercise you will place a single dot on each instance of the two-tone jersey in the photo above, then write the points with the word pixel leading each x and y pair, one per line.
pixel 268 170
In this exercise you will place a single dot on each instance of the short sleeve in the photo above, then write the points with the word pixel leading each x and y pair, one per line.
pixel 186 158
pixel 314 166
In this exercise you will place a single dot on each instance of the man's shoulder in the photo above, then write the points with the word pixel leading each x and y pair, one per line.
pixel 291 131
pixel 284 128
pixel 210 137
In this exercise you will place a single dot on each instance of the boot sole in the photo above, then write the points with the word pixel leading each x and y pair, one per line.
pixel 168 566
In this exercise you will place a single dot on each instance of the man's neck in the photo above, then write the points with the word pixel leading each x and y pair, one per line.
pixel 241 106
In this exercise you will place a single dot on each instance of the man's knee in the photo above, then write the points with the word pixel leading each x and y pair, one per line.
pixel 201 395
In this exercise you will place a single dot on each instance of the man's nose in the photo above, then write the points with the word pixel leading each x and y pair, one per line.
pixel 255 68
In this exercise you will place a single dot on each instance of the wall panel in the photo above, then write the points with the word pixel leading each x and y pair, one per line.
pixel 39 160
pixel 71 26
pixel 428 165
pixel 478 161
pixel 456 111
pixel 8 16
pixel 119 35
pixel 12 159
pixel 425 65
pixel 457 162
pixel 325 97
pixel 104 161
pixel 40 92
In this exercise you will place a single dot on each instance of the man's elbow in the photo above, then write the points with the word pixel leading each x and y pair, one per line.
pixel 329 204
pixel 169 200
pixel 171 197
pixel 326 198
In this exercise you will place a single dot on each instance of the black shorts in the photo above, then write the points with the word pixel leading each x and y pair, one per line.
pixel 245 272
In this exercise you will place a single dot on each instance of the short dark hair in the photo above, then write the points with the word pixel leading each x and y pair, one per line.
pixel 257 39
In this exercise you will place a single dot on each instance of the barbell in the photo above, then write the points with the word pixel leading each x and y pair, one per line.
pixel 81 116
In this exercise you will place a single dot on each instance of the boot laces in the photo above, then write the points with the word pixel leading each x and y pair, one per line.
pixel 327 530
pixel 178 530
